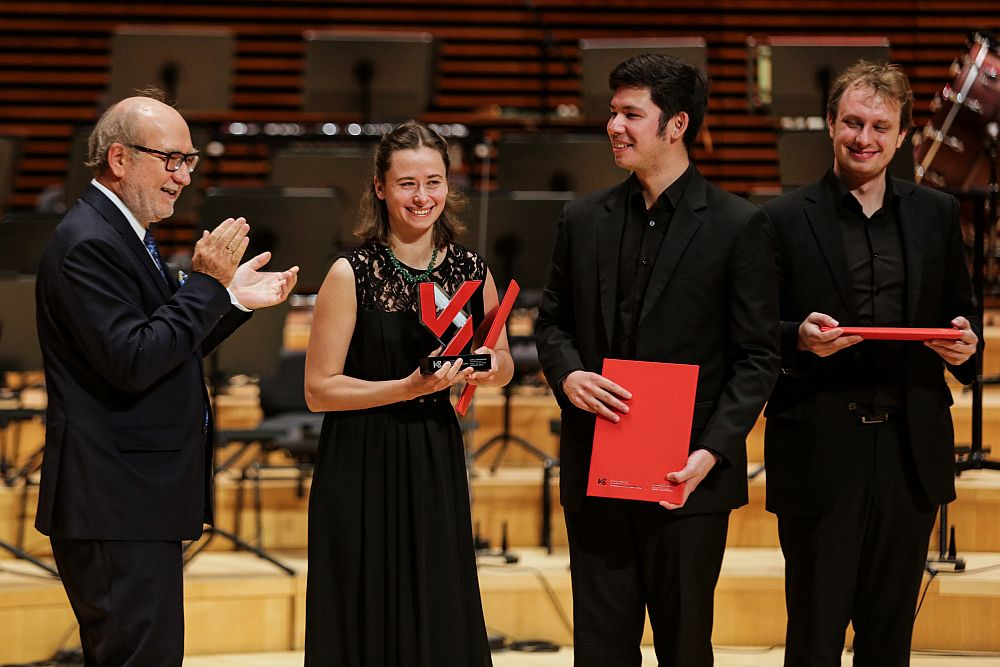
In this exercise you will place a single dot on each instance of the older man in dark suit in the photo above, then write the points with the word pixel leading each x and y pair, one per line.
pixel 859 441
pixel 127 471
pixel 662 267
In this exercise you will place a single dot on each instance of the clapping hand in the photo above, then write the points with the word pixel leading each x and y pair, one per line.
pixel 255 289
pixel 217 253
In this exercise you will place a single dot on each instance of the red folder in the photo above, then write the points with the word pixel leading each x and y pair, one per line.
pixel 631 459
pixel 900 333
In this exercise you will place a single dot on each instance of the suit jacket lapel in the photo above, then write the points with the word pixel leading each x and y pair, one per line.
pixel 117 220
pixel 609 240
pixel 822 217
pixel 684 224
pixel 910 224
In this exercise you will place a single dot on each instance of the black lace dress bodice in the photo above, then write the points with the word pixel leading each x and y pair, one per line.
pixel 388 325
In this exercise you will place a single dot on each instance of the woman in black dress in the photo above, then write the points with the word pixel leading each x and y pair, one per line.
pixel 392 572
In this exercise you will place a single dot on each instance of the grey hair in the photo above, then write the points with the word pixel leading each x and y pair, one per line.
pixel 116 126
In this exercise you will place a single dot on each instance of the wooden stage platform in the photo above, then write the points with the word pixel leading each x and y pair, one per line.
pixel 725 656
pixel 238 604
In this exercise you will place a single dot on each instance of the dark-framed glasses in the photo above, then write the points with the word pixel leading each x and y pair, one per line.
pixel 171 161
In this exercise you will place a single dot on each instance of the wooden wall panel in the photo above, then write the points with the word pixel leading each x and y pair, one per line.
pixel 54 60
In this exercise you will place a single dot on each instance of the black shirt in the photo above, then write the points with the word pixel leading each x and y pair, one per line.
pixel 642 237
pixel 877 266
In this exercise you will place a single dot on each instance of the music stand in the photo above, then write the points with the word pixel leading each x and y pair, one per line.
pixel 382 76
pixel 192 65
pixel 253 349
pixel 18 351
pixel 300 226
pixel 976 459
pixel 985 206
pixel 556 162
pixel 518 235
pixel 192 549
pixel 805 156
pixel 791 76
pixel 23 237
pixel 10 151
pixel 346 169
pixel 598 57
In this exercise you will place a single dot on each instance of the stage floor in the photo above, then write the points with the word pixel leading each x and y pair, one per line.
pixel 241 610
pixel 724 657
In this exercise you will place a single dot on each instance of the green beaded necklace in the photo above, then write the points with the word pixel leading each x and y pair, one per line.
pixel 409 277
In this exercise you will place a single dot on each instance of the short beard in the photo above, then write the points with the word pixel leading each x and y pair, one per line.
pixel 137 202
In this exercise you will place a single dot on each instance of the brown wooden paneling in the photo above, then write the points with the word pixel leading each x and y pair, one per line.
pixel 54 59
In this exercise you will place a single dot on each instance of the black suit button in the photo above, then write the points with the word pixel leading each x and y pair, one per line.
pixel 852 406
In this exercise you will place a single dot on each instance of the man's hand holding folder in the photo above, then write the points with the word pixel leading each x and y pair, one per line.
pixel 595 393
pixel 700 462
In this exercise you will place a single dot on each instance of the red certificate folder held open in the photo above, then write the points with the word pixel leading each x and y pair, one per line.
pixel 631 459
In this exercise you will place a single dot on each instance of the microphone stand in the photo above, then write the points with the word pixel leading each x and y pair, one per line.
pixel 364 75
pixel 9 417
pixel 547 45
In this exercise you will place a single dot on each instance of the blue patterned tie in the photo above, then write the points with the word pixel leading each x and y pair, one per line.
pixel 154 253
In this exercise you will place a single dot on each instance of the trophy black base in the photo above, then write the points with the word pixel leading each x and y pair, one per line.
pixel 477 362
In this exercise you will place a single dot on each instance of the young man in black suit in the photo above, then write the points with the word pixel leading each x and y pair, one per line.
pixel 662 267
pixel 127 470
pixel 859 441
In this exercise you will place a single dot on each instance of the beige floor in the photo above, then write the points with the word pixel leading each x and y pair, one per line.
pixel 724 657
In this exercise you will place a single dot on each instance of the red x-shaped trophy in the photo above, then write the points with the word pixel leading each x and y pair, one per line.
pixel 438 312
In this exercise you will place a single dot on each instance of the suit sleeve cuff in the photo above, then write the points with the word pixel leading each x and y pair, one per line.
pixel 720 460
pixel 232 300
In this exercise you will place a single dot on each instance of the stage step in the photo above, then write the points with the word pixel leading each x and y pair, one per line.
pixel 511 497
pixel 532 412
pixel 237 602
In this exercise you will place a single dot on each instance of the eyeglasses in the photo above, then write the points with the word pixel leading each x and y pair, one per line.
pixel 171 161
